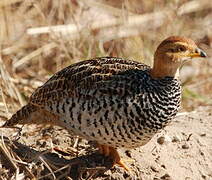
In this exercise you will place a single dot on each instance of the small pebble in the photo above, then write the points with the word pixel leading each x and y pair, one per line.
pixel 185 146
pixel 203 176
pixel 176 139
pixel 163 166
pixel 163 139
pixel 203 134
pixel 166 177
pixel 201 153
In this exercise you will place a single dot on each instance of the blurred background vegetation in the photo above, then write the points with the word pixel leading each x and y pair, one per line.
pixel 40 37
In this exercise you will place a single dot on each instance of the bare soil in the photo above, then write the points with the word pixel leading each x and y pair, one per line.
pixel 182 151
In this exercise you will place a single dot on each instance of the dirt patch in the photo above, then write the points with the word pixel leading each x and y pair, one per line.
pixel 182 151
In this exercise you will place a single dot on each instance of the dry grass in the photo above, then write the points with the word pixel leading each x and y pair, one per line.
pixel 39 37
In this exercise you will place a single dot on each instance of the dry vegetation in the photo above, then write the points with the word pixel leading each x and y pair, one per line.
pixel 39 37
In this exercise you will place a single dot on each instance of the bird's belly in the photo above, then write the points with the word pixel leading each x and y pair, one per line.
pixel 113 124
pixel 114 135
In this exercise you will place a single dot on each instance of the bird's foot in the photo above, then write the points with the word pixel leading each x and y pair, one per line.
pixel 113 154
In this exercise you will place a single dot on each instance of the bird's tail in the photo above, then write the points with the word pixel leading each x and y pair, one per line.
pixel 22 116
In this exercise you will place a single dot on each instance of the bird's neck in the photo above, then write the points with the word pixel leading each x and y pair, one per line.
pixel 155 74
pixel 161 69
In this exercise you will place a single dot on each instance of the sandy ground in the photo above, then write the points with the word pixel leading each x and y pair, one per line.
pixel 182 151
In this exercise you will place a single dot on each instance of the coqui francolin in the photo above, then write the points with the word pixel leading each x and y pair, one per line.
pixel 113 101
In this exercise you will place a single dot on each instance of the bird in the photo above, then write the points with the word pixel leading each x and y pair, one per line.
pixel 115 102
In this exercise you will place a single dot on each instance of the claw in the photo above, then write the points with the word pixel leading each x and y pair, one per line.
pixel 113 153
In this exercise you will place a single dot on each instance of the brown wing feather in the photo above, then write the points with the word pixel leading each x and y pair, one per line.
pixel 86 74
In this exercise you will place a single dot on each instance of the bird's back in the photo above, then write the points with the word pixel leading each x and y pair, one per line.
pixel 85 75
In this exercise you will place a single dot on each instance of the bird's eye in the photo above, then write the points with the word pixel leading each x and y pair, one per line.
pixel 177 49
pixel 181 49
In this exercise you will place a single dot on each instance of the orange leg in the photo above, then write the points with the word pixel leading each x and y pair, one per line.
pixel 113 153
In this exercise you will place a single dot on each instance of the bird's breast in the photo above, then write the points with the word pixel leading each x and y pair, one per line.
pixel 127 121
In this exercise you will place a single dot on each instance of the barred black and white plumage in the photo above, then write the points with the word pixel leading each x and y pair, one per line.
pixel 124 107
pixel 113 101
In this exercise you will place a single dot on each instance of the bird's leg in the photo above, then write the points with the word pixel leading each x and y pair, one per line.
pixel 105 150
pixel 112 153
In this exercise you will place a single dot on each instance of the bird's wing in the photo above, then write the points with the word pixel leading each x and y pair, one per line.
pixel 79 78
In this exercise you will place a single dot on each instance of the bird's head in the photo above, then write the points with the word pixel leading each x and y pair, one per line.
pixel 171 55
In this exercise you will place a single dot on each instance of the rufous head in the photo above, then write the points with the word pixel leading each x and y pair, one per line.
pixel 171 55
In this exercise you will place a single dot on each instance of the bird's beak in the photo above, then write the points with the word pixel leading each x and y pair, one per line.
pixel 198 53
